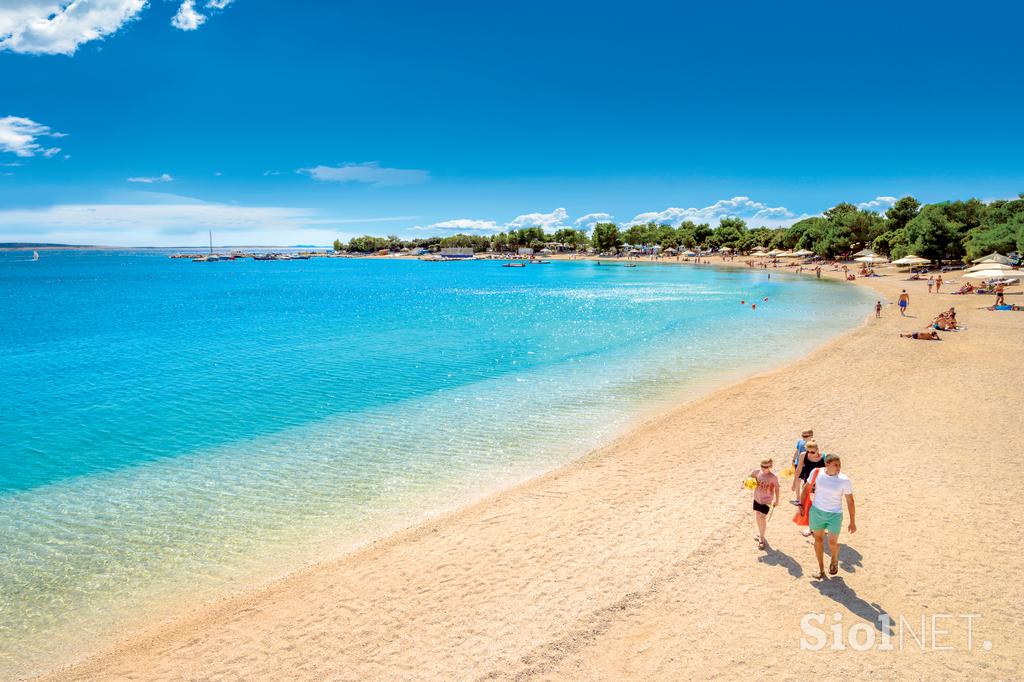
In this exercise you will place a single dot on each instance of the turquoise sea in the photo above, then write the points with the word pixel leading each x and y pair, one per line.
pixel 174 429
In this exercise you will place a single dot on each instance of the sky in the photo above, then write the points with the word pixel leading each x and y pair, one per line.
pixel 135 122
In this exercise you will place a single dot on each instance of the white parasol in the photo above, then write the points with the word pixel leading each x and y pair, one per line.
pixel 911 260
pixel 990 274
pixel 988 266
pixel 994 257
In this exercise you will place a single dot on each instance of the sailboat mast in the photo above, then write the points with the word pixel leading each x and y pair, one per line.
pixel 211 242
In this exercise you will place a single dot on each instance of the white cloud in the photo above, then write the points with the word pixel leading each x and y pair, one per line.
pixel 60 26
pixel 549 221
pixel 20 136
pixel 187 18
pixel 164 177
pixel 742 207
pixel 370 173
pixel 588 221
pixel 463 225
pixel 218 4
pixel 166 219
pixel 878 203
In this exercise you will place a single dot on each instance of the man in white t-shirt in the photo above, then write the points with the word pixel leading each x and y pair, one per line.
pixel 830 487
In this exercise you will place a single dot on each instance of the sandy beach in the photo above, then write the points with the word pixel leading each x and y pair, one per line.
pixel 638 561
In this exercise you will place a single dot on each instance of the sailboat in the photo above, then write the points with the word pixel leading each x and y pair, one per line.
pixel 35 255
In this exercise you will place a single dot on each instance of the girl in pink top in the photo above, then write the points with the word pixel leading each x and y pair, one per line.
pixel 766 493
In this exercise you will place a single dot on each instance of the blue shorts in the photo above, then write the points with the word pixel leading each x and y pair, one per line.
pixel 903 304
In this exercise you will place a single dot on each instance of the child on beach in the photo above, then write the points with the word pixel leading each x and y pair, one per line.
pixel 766 496
pixel 878 308
pixel 801 444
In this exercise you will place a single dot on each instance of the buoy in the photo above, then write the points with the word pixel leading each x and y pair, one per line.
pixel 743 302
pixel 754 306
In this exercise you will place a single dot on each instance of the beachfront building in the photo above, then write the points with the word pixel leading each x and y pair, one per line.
pixel 525 251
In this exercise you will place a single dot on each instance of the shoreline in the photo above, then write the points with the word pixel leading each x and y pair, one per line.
pixel 206 618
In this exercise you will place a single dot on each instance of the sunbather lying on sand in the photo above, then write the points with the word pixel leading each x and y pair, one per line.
pixel 946 321
pixel 930 335
pixel 965 289
pixel 1005 307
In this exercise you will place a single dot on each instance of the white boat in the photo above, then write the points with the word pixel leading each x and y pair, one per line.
pixel 35 255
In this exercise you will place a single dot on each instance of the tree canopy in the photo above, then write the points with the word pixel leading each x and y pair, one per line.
pixel 952 231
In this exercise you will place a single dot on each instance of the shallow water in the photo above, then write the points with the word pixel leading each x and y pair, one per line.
pixel 175 428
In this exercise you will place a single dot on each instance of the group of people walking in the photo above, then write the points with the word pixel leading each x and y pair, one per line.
pixel 819 487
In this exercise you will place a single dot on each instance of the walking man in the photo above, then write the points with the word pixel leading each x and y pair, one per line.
pixel 904 302
pixel 830 487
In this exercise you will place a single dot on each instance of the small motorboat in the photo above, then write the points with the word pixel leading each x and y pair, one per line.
pixel 629 265
pixel 514 265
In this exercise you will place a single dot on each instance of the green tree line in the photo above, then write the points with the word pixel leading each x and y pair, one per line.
pixel 950 231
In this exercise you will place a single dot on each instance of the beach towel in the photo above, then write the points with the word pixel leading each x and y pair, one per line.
pixel 802 517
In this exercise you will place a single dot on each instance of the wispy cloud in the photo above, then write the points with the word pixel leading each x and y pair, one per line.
pixel 463 225
pixel 371 173
pixel 60 26
pixel 549 221
pixel 742 207
pixel 20 136
pixel 588 221
pixel 164 177
pixel 151 218
pixel 187 18
pixel 878 203
pixel 756 213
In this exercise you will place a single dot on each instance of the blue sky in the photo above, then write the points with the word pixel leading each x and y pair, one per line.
pixel 298 122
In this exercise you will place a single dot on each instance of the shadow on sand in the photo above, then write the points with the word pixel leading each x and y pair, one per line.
pixel 836 589
pixel 775 557
pixel 849 558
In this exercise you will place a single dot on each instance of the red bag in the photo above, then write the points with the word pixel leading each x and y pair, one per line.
pixel 802 517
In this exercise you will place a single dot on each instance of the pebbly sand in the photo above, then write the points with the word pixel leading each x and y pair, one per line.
pixel 639 561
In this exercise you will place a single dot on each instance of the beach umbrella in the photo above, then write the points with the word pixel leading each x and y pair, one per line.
pixel 988 266
pixel 872 259
pixel 864 252
pixel 803 252
pixel 911 260
pixel 689 254
pixel 990 274
pixel 725 249
pixel 775 252
pixel 994 257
